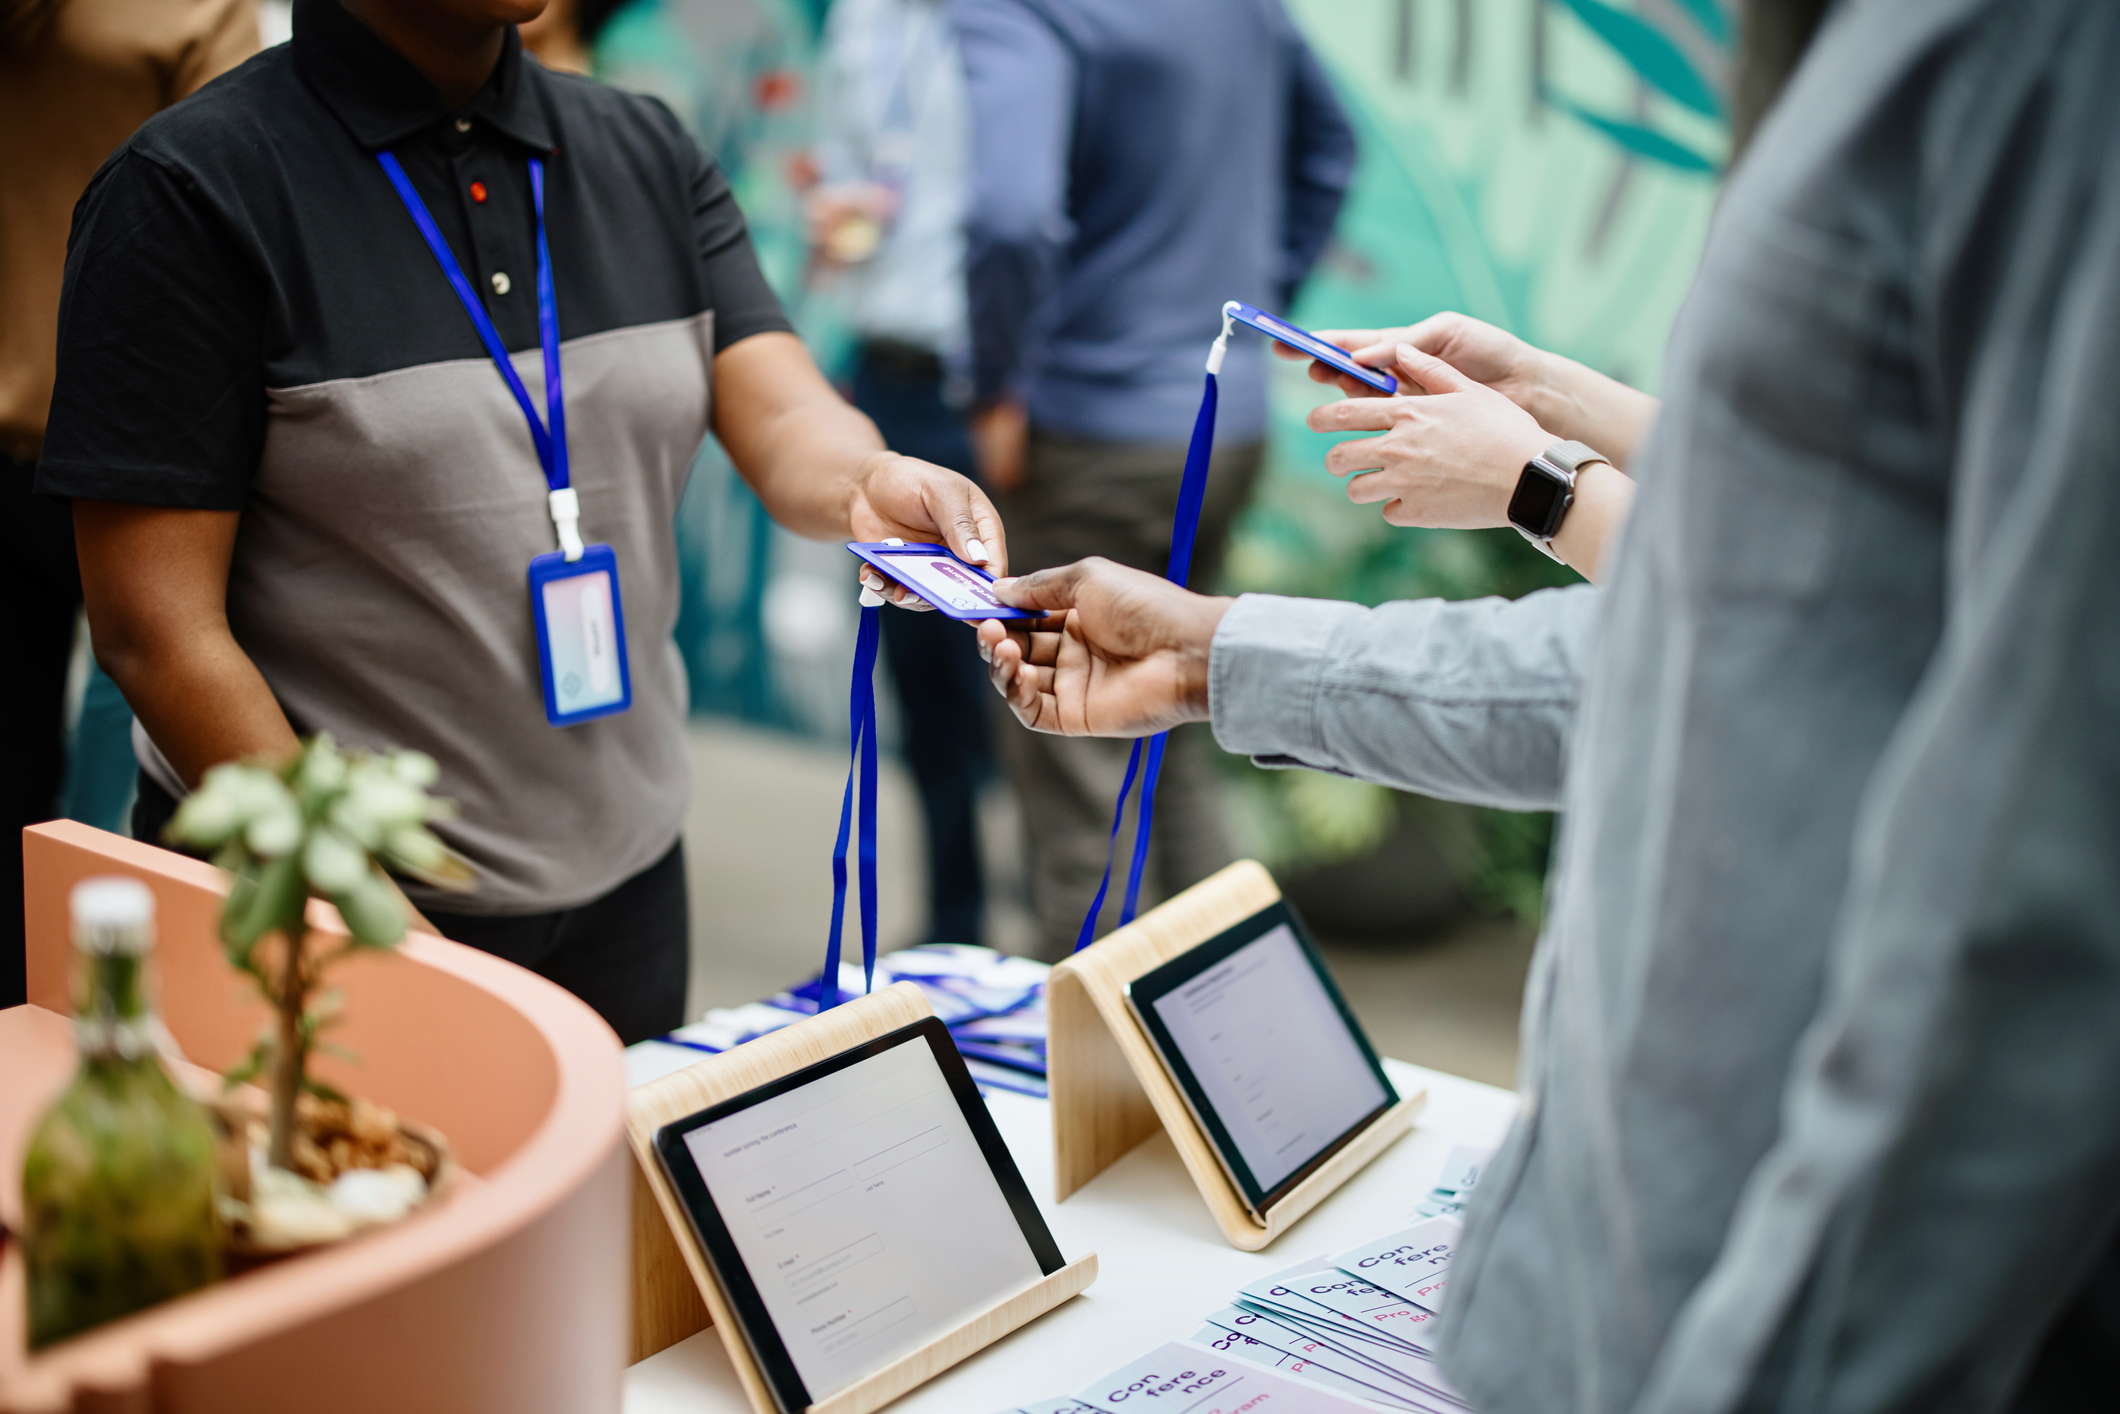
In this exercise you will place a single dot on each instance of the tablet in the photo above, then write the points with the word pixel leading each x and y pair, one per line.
pixel 856 1210
pixel 955 588
pixel 1272 1063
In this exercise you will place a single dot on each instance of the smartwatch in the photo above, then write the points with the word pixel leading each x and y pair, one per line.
pixel 1546 490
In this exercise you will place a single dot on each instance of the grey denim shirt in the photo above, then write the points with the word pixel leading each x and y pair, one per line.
pixel 1822 1041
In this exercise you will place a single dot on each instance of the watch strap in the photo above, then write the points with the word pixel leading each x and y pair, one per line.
pixel 1571 457
pixel 1544 547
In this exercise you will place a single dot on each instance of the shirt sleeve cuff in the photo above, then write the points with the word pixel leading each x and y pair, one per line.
pixel 1264 674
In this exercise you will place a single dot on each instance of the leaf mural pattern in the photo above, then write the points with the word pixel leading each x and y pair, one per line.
pixel 1516 163
pixel 1639 139
pixel 1661 65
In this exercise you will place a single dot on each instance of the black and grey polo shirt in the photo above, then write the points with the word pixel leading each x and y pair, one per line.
pixel 252 322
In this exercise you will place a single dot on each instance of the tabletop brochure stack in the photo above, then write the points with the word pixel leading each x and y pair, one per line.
pixel 1333 1335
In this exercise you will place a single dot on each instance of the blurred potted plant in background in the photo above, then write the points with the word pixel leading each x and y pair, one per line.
pixel 325 824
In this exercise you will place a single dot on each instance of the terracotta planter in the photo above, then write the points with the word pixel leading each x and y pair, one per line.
pixel 505 1293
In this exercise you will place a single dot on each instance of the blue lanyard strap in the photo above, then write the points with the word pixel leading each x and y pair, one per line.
pixel 1185 528
pixel 861 732
pixel 551 445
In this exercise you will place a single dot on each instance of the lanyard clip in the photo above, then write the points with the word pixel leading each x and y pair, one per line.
pixel 566 519
pixel 1221 344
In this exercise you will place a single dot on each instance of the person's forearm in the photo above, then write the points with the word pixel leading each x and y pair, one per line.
pixel 1468 700
pixel 1579 404
pixel 155 583
pixel 201 699
pixel 808 472
pixel 801 447
pixel 1603 497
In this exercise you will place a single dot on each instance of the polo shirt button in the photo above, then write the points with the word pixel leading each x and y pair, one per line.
pixel 500 282
pixel 478 192
pixel 463 125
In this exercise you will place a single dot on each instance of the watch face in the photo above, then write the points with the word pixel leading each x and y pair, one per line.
pixel 1541 499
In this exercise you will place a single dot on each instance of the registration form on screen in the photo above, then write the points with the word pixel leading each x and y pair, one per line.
pixel 1272 1054
pixel 865 1213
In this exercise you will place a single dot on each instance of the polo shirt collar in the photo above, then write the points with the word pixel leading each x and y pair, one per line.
pixel 382 99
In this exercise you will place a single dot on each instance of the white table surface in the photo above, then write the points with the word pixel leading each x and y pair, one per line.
pixel 1161 1262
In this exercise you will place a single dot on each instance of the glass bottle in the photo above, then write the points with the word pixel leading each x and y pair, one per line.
pixel 118 1187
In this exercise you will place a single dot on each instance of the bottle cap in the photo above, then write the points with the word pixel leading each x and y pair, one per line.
pixel 112 914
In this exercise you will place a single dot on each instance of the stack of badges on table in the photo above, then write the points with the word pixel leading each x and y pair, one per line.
pixel 1328 1336
pixel 993 1004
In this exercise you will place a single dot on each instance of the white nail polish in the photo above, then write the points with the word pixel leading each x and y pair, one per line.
pixel 870 599
pixel 976 548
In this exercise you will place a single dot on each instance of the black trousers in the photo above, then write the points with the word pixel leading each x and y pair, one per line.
pixel 42 588
pixel 627 954
pixel 935 666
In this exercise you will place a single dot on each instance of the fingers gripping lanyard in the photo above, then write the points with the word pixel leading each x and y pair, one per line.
pixel 551 444
pixel 1148 764
pixel 861 731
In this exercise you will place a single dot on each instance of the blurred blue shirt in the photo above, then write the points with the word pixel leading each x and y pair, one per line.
pixel 891 110
pixel 1134 165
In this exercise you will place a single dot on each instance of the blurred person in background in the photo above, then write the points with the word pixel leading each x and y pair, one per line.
pixel 887 231
pixel 306 500
pixel 1133 167
pixel 734 73
pixel 76 77
pixel 1821 1048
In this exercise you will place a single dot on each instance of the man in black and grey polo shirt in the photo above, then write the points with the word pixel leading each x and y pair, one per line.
pixel 307 501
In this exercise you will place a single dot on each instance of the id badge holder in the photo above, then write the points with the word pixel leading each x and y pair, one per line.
pixel 581 635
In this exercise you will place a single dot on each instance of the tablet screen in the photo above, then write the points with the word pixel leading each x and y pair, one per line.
pixel 855 1211
pixel 1268 1055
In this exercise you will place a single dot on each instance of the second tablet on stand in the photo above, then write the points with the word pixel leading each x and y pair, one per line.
pixel 1214 1018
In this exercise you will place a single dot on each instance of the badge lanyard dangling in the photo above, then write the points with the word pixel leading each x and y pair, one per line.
pixel 574 600
pixel 1148 763
pixel 861 733
pixel 1145 762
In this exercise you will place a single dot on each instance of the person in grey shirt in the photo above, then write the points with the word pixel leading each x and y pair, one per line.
pixel 1822 1043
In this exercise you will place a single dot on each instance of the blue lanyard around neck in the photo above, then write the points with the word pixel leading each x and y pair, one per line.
pixel 1148 764
pixel 551 445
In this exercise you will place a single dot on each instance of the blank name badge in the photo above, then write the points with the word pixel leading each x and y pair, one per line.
pixel 581 635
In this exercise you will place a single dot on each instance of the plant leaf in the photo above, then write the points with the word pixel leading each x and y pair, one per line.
pixel 1641 141
pixel 250 1067
pixel 324 1092
pixel 1650 53
pixel 275 902
pixel 372 912
pixel 337 1052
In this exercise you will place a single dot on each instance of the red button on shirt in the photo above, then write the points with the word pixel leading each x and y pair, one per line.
pixel 478 191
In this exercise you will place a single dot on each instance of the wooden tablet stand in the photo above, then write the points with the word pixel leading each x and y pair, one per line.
pixel 667 1253
pixel 1109 1087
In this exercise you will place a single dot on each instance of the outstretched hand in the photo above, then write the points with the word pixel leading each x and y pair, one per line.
pixel 904 498
pixel 1124 653
pixel 1478 351
pixel 1451 450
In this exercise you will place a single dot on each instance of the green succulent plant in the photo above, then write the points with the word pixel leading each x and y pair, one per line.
pixel 327 824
